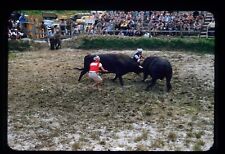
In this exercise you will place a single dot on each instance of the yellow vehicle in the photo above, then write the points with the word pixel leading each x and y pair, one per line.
pixel 79 15
pixel 84 19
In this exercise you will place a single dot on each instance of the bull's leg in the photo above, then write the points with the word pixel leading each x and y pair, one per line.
pixel 145 76
pixel 168 85
pixel 115 78
pixel 51 44
pixel 121 80
pixel 57 44
pixel 82 73
pixel 151 84
pixel 54 43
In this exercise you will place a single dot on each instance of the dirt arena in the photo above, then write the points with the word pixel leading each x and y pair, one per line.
pixel 48 109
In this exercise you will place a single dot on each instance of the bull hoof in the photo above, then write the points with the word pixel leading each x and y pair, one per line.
pixel 168 90
pixel 169 87
pixel 113 80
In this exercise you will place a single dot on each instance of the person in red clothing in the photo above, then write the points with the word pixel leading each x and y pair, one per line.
pixel 93 73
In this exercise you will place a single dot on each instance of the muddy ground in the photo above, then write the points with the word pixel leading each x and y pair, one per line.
pixel 48 109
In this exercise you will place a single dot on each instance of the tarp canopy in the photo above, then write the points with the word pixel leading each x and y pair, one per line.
pixel 49 15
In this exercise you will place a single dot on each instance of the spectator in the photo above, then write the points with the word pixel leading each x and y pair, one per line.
pixel 57 37
pixel 43 28
pixel 197 25
pixel 69 26
pixel 22 19
pixel 62 26
pixel 211 28
pixel 15 34
pixel 10 24
pixel 99 26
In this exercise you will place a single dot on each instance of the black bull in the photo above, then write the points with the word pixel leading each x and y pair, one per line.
pixel 157 68
pixel 119 64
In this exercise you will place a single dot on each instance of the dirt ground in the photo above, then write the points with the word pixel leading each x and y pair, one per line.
pixel 48 109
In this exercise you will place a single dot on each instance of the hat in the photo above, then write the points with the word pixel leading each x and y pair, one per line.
pixel 139 49
pixel 97 58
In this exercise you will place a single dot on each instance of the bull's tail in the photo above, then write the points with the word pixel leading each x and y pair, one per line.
pixel 80 69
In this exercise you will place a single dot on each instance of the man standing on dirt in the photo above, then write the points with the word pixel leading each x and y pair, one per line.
pixel 94 71
pixel 54 39
pixel 57 37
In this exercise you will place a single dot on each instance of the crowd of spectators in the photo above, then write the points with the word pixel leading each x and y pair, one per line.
pixel 140 22
pixel 127 23
pixel 16 26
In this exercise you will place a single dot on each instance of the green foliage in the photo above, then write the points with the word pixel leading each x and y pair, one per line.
pixel 18 45
pixel 200 45
pixel 11 56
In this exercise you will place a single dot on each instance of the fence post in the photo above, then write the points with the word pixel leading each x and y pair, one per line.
pixel 181 31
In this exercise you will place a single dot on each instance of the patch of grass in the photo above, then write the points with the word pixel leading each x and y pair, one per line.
pixel 141 147
pixel 147 112
pixel 130 127
pixel 100 119
pixel 199 134
pixel 12 56
pixel 143 136
pixel 18 45
pixel 191 110
pixel 199 45
pixel 178 149
pixel 76 146
pixel 102 142
pixel 169 113
pixel 138 138
pixel 158 143
pixel 200 142
pixel 190 124
pixel 198 146
pixel 106 114
pixel 161 117
pixel 115 137
pixel 187 143
pixel 194 118
pixel 95 135
pixel 54 134
pixel 83 139
pixel 128 148
pixel 190 134
pixel 172 137
pixel 180 126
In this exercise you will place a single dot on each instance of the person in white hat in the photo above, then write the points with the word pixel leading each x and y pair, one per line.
pixel 138 56
pixel 94 71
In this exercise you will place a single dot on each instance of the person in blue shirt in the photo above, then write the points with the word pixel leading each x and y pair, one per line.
pixel 22 19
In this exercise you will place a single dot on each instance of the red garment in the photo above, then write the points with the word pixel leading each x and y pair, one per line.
pixel 94 66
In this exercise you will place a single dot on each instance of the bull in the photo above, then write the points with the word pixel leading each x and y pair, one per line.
pixel 120 64
pixel 157 68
